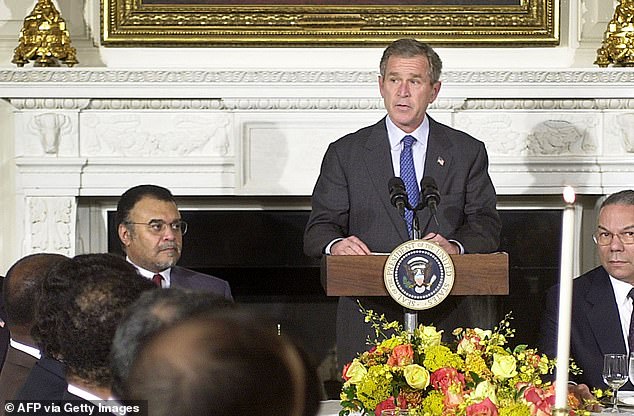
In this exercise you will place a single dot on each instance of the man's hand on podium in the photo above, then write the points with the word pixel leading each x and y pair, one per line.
pixel 349 246
pixel 445 244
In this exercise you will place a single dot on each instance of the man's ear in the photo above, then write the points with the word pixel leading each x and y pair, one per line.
pixel 124 234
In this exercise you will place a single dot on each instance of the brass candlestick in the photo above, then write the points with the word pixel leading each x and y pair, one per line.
pixel 44 38
pixel 618 40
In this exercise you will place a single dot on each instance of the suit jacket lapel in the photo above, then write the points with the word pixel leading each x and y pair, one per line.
pixel 439 156
pixel 378 161
pixel 438 161
pixel 603 315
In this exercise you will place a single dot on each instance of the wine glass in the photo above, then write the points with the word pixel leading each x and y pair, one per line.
pixel 615 373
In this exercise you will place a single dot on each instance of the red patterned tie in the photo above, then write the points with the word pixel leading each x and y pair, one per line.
pixel 157 279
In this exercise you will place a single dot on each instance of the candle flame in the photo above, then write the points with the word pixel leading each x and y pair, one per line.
pixel 569 195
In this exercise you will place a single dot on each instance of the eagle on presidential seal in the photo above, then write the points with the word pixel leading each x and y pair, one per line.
pixel 419 274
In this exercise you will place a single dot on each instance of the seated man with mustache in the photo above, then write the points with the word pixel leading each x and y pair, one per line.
pixel 151 232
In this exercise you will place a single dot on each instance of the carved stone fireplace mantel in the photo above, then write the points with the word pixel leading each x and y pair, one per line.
pixel 91 133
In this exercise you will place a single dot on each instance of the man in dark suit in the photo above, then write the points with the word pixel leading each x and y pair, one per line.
pixel 21 292
pixel 601 307
pixel 351 208
pixel 151 232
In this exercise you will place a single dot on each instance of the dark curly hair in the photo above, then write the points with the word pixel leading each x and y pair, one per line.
pixel 82 301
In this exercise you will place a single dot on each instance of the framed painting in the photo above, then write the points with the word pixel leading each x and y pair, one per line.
pixel 328 23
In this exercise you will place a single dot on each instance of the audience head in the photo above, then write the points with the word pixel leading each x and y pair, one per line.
pixel 21 290
pixel 615 235
pixel 83 300
pixel 409 82
pixel 150 228
pixel 154 310
pixel 223 364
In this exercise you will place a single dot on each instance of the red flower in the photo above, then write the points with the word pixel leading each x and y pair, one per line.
pixel 484 408
pixel 390 403
pixel 445 377
pixel 345 371
pixel 540 401
pixel 401 355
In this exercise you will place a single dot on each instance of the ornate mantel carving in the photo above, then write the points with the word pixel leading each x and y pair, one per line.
pixel 95 132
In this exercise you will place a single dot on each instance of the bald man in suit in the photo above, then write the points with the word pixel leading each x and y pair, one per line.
pixel 21 293
pixel 351 209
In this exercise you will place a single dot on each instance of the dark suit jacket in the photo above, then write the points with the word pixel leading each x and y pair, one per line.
pixel 595 326
pixel 46 381
pixel 189 279
pixel 351 197
pixel 14 372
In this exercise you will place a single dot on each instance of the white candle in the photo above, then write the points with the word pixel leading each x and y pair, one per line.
pixel 565 299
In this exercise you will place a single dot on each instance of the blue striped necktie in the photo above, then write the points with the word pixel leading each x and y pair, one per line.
pixel 408 174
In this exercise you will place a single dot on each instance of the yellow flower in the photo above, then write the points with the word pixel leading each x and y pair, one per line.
pixel 428 335
pixel 389 344
pixel 355 372
pixel 504 366
pixel 482 333
pixel 416 376
pixel 475 363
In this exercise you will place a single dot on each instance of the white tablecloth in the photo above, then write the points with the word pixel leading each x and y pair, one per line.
pixel 329 408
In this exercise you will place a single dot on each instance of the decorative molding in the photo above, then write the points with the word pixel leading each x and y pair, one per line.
pixel 97 76
pixel 313 103
pixel 104 76
pixel 50 103
pixel 625 123
pixel 542 77
pixel 537 104
pixel 157 135
pixel 51 223
pixel 49 128
pixel 558 137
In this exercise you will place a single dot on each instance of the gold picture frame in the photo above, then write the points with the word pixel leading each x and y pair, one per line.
pixel 328 23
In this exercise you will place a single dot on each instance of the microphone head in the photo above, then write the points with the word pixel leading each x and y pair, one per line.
pixel 429 190
pixel 428 183
pixel 396 184
pixel 398 194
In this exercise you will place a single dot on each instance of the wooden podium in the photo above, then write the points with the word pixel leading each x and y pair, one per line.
pixel 475 274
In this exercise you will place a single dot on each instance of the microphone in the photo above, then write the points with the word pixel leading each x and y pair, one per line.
pixel 430 194
pixel 398 194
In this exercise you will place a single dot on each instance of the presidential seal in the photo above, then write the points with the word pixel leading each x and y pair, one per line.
pixel 418 274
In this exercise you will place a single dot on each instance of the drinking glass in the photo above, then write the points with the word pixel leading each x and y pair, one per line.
pixel 615 373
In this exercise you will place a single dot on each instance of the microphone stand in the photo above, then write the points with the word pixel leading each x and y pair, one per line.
pixel 410 319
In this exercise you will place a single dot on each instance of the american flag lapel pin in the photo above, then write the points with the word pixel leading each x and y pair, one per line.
pixel 441 161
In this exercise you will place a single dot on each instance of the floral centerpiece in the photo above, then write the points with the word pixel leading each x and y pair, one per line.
pixel 478 374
